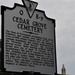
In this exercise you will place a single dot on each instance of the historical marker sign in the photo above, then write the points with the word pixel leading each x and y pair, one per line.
pixel 28 39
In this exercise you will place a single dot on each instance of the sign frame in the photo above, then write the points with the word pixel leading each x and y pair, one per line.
pixel 3 9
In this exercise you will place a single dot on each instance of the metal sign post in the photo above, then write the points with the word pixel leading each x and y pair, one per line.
pixel 28 40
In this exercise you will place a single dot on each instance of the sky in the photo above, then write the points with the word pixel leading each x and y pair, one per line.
pixel 63 11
